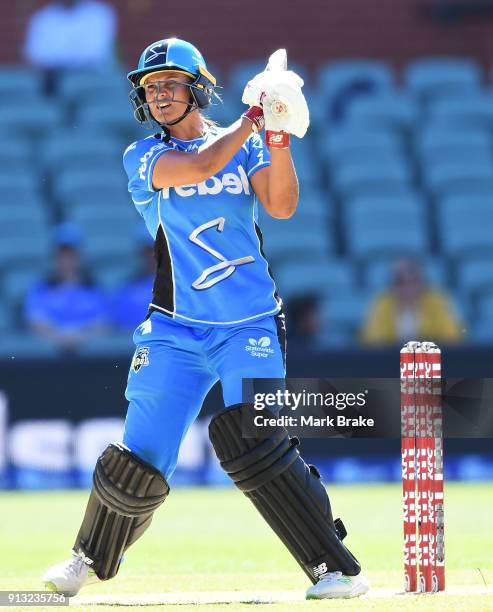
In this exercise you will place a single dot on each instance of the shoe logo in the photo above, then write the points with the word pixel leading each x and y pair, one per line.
pixel 260 347
pixel 141 358
pixel 87 560
pixel 318 570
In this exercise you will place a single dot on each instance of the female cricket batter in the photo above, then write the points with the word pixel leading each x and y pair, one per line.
pixel 196 186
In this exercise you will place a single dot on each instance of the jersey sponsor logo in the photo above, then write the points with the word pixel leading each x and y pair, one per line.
pixel 141 358
pixel 260 347
pixel 228 265
pixel 145 158
pixel 230 182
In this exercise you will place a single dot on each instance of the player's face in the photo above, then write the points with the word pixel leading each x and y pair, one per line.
pixel 167 95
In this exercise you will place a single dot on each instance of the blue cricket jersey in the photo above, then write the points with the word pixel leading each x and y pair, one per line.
pixel 210 266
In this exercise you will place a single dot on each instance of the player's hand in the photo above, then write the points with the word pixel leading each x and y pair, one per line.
pixel 278 91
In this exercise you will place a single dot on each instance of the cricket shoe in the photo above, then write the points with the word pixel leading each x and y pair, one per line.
pixel 335 585
pixel 70 576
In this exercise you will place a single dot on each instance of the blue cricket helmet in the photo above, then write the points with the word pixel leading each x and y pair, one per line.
pixel 171 54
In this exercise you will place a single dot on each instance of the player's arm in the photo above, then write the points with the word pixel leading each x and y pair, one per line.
pixel 175 168
pixel 276 186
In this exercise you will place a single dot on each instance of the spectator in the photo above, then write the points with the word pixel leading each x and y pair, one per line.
pixel 66 307
pixel 70 34
pixel 410 310
pixel 132 298
pixel 304 324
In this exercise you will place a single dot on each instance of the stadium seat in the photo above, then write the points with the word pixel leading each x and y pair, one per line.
pixel 306 164
pixel 241 73
pixel 81 87
pixel 344 310
pixel 352 144
pixel 354 179
pixel 16 156
pixel 321 277
pixel 93 186
pixel 389 109
pixel 385 226
pixel 438 144
pixel 431 76
pixel 378 274
pixel 19 345
pixel 340 82
pixel 475 274
pixel 6 316
pixel 466 176
pixel 33 117
pixel 81 149
pixel 334 76
pixel 287 240
pixel 116 118
pixel 462 111
pixel 17 281
pixel 112 345
pixel 465 224
pixel 21 80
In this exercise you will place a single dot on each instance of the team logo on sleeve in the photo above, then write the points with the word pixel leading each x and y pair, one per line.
pixel 141 358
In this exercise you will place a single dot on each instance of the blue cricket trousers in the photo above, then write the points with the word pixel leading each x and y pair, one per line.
pixel 175 366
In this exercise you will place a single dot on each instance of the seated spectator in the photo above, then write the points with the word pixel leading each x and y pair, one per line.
pixel 70 34
pixel 410 310
pixel 66 307
pixel 131 300
pixel 303 322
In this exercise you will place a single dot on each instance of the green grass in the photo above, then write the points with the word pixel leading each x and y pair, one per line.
pixel 213 540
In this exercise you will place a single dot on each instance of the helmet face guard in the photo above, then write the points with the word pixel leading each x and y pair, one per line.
pixel 177 55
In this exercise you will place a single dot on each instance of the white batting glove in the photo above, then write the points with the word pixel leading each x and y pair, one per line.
pixel 279 93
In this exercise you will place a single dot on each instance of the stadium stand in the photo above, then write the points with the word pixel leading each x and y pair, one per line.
pixel 383 172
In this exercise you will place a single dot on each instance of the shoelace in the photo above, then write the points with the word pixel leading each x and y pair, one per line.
pixel 75 565
pixel 330 576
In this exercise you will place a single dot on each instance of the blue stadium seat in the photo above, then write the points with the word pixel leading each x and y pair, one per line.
pixel 322 277
pixel 29 242
pixel 345 310
pixel 109 244
pixel 439 144
pixel 390 109
pixel 27 211
pixel 20 186
pixel 112 345
pixel 465 224
pixel 80 149
pixel 24 81
pixel 91 186
pixel 17 281
pixel 306 164
pixel 288 239
pixel 334 76
pixel 475 274
pixel 16 156
pixel 242 72
pixel 342 81
pixel 80 87
pixel 19 345
pixel 378 274
pixel 6 315
pixel 462 111
pixel 35 118
pixel 116 118
pixel 353 144
pixel 385 226
pixel 430 76
pixel 372 178
pixel 314 202
pixel 462 176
